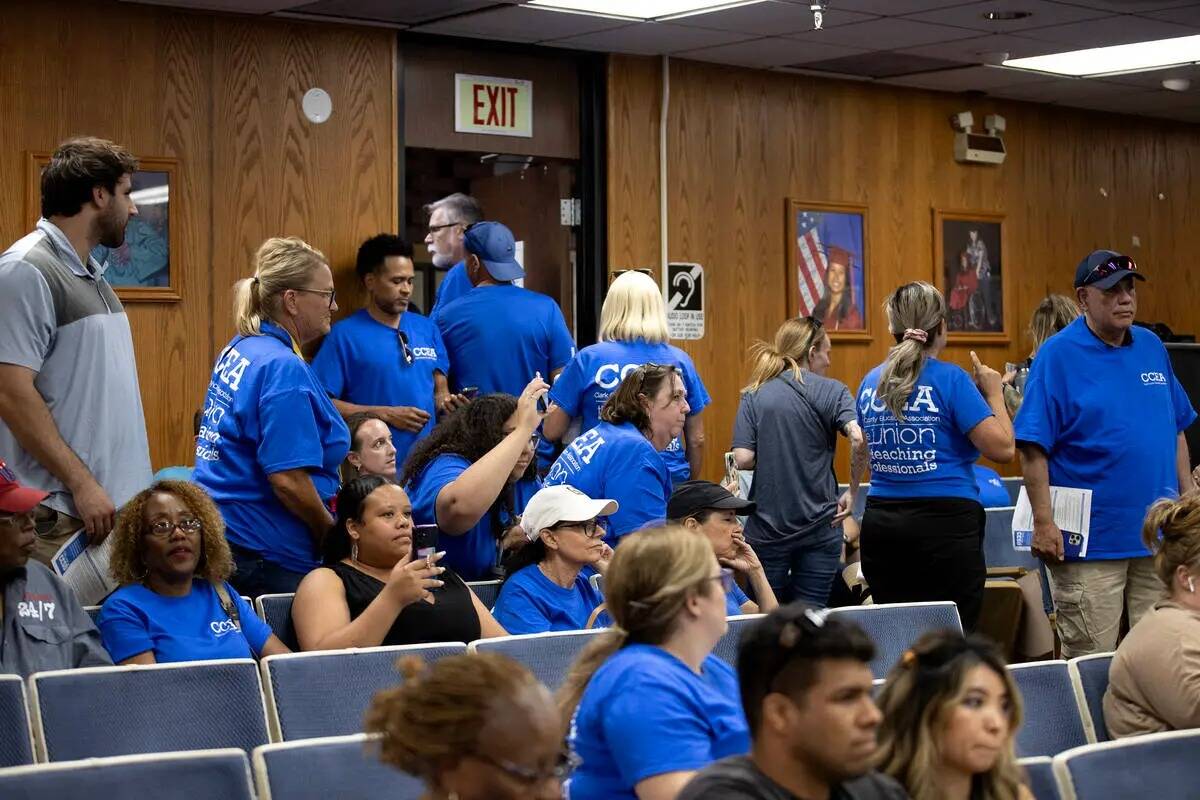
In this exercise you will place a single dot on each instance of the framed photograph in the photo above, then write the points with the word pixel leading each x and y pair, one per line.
pixel 142 268
pixel 827 274
pixel 969 268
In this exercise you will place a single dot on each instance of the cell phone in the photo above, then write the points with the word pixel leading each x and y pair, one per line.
pixel 543 404
pixel 425 540
pixel 469 392
pixel 731 470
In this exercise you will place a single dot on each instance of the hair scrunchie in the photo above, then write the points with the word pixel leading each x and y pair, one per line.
pixel 917 335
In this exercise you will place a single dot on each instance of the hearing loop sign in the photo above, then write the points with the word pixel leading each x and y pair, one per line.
pixel 685 300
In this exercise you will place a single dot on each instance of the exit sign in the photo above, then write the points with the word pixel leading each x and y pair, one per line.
pixel 497 106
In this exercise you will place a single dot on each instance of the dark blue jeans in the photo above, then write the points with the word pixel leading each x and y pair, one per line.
pixel 254 575
pixel 802 571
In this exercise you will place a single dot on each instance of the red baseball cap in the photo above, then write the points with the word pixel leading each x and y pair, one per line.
pixel 15 498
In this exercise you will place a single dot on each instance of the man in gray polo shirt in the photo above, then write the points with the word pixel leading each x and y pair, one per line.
pixel 71 416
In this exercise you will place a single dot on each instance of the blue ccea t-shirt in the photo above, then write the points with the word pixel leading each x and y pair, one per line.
pixel 266 412
pixel 619 463
pixel 472 555
pixel 596 372
pixel 529 602
pixel 497 337
pixel 135 620
pixel 1108 419
pixel 930 453
pixel 645 713
pixel 992 493
pixel 362 361
pixel 453 286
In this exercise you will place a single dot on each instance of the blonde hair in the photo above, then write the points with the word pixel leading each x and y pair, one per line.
pixel 652 575
pixel 794 339
pixel 125 562
pixel 439 710
pixel 1052 315
pixel 1172 532
pixel 920 693
pixel 633 309
pixel 281 263
pixel 920 306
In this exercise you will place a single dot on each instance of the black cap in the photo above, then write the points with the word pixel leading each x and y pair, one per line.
pixel 692 497
pixel 1104 269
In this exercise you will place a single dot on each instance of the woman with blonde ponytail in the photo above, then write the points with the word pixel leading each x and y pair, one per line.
pixel 926 422
pixel 786 430
pixel 647 704
pixel 1154 680
pixel 270 440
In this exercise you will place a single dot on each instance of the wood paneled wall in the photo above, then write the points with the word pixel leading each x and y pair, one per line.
pixel 221 95
pixel 742 141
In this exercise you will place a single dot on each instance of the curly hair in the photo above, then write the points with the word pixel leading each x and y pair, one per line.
pixel 125 562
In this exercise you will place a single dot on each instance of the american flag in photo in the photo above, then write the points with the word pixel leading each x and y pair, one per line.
pixel 812 262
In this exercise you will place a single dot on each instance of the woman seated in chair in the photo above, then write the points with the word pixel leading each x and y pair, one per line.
pixel 1154 680
pixel 647 703
pixel 170 556
pixel 373 590
pixel 950 714
pixel 547 587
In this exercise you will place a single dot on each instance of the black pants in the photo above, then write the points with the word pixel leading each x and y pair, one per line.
pixel 925 549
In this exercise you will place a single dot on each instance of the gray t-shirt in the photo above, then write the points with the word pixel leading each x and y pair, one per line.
pixel 62 320
pixel 793 427
pixel 737 778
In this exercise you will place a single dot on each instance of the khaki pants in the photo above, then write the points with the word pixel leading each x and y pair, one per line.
pixel 53 528
pixel 1089 597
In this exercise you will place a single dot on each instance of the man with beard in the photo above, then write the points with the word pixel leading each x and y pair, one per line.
pixel 385 358
pixel 449 219
pixel 71 416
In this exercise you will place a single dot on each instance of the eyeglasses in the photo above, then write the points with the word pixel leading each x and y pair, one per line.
pixel 591 528
pixel 405 350
pixel 802 623
pixel 726 579
pixel 7 474
pixel 331 292
pixel 435 228
pixel 816 322
pixel 1102 271
pixel 164 527
pixel 616 273
pixel 564 765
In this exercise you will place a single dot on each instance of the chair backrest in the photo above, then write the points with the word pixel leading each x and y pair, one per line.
pixel 93 611
pixel 1156 765
pixel 116 711
pixel 16 736
pixel 162 776
pixel 1042 783
pixel 276 611
pixel 332 767
pixel 1053 722
pixel 1013 486
pixel 894 627
pixel 1089 674
pixel 998 544
pixel 727 647
pixel 327 693
pixel 486 591
pixel 547 655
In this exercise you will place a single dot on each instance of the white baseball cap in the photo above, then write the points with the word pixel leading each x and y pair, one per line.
pixel 555 504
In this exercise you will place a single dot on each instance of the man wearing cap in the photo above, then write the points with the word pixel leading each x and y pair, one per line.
pixel 449 219
pixel 709 509
pixel 42 625
pixel 499 336
pixel 1102 411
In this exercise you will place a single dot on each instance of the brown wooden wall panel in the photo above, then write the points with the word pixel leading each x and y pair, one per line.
pixel 221 95
pixel 741 142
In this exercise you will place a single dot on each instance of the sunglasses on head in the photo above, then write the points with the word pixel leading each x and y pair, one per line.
pixel 1113 265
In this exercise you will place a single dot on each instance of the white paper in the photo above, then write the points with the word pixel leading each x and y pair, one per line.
pixel 1072 514
pixel 85 569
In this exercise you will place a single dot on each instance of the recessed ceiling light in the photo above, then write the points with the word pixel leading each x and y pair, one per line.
pixel 1006 16
pixel 1136 57
pixel 641 9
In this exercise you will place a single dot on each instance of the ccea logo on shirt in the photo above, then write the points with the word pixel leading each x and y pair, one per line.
pixel 922 400
pixel 1154 379
pixel 222 627
pixel 609 376
pixel 425 352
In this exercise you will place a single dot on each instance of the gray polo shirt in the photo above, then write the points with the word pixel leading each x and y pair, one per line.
pixel 62 320
pixel 792 428
pixel 43 626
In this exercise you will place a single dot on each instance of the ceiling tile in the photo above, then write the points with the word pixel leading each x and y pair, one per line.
pixel 649 38
pixel 1105 31
pixel 772 18
pixel 885 34
pixel 884 8
pixel 1154 78
pixel 1188 15
pixel 975 48
pixel 1042 14
pixel 968 79
pixel 522 24
pixel 234 6
pixel 1127 6
pixel 766 53
pixel 879 64
pixel 409 12
pixel 1059 90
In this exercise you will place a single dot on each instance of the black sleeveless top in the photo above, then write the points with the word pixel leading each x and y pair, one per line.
pixel 452 618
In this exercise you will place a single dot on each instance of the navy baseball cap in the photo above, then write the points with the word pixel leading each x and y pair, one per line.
pixel 494 245
pixel 692 497
pixel 1104 269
